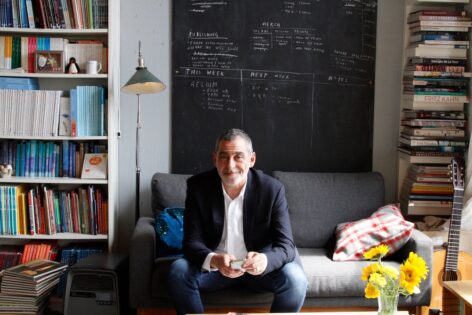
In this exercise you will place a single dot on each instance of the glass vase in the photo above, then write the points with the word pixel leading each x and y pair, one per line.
pixel 388 304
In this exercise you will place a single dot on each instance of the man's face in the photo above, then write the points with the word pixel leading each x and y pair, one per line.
pixel 233 160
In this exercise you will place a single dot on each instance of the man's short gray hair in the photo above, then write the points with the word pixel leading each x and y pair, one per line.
pixel 232 133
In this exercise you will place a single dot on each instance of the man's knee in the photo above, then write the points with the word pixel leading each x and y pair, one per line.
pixel 179 271
pixel 295 276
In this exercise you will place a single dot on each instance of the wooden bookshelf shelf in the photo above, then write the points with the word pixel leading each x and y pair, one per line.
pixel 46 31
pixel 53 75
pixel 58 236
pixel 54 138
pixel 52 180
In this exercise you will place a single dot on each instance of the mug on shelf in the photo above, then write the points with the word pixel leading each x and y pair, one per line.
pixel 93 67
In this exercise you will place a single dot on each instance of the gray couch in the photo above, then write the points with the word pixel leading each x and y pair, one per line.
pixel 317 202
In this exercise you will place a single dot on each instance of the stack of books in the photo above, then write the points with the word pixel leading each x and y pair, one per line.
pixel 26 288
pixel 435 86
pixel 427 190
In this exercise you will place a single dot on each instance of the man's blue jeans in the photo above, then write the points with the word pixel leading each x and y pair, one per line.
pixel 185 280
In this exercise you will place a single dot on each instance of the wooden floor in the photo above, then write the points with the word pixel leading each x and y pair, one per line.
pixel 154 311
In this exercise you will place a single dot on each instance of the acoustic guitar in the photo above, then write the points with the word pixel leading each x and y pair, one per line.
pixel 450 264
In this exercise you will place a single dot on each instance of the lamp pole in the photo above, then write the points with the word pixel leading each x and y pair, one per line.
pixel 139 125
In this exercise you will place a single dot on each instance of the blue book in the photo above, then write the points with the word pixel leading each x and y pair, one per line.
pixel 73 112
pixel 2 212
pixel 27 158
pixel 16 169
pixel 65 158
pixel 18 81
pixel 72 159
pixel 33 158
pixel 22 167
pixel 41 159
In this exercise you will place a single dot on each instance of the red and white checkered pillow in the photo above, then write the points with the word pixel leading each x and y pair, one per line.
pixel 384 226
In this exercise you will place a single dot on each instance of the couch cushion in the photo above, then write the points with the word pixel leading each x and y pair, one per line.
pixel 384 226
pixel 323 200
pixel 168 190
pixel 328 278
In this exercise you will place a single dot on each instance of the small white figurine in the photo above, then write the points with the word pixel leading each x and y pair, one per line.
pixel 6 170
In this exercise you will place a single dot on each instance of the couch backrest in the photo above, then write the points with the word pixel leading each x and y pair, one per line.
pixel 168 190
pixel 317 201
pixel 320 201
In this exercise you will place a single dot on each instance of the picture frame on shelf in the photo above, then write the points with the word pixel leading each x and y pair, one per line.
pixel 48 61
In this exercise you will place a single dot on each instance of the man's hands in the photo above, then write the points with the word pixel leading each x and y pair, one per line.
pixel 254 264
pixel 222 263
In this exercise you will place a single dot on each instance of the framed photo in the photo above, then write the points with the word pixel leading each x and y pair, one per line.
pixel 48 61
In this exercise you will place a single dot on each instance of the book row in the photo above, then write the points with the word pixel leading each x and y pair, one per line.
pixel 427 190
pixel 70 14
pixel 34 158
pixel 43 210
pixel 19 52
pixel 12 255
pixel 81 114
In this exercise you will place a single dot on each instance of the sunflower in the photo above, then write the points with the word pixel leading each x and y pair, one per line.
pixel 371 291
pixel 370 269
pixel 385 280
pixel 376 252
pixel 410 276
pixel 378 280
pixel 419 263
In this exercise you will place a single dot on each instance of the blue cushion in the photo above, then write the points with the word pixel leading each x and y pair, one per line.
pixel 169 228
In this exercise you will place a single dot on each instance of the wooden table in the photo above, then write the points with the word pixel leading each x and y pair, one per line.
pixel 311 313
pixel 463 290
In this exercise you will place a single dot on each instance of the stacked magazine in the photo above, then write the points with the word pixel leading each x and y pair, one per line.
pixel 25 288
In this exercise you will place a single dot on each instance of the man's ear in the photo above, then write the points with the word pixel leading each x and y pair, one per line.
pixel 213 158
pixel 253 159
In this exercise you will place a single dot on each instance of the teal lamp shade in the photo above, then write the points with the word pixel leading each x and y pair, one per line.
pixel 143 82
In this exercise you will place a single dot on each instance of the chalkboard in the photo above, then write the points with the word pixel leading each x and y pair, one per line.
pixel 297 76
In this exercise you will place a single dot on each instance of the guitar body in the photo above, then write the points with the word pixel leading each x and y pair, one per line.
pixel 441 298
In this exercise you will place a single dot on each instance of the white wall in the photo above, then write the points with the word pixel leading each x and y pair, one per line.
pixel 149 21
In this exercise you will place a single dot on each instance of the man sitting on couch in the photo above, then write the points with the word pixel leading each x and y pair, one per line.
pixel 236 232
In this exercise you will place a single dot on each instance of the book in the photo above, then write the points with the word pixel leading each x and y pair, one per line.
pixel 437 15
pixel 425 158
pixel 434 123
pixel 438 36
pixel 440 61
pixel 435 81
pixel 428 106
pixel 421 28
pixel 64 117
pixel 95 166
pixel 436 52
pixel 429 98
pixel 35 270
pixel 433 68
pixel 435 132
pixel 426 141
pixel 441 23
pixel 433 114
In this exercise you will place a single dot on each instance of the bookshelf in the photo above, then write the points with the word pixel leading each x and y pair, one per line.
pixel 414 166
pixel 65 82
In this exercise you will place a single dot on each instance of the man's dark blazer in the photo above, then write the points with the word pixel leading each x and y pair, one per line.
pixel 266 224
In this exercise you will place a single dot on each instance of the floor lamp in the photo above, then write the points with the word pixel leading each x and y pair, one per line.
pixel 142 82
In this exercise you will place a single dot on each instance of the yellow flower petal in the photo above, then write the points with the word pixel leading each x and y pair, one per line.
pixel 376 252
pixel 371 292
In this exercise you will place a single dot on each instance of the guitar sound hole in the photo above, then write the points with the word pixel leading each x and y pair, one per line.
pixel 450 276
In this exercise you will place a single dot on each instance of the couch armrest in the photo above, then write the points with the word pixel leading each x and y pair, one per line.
pixel 419 243
pixel 142 255
pixel 422 245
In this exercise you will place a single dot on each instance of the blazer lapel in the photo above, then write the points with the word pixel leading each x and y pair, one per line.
pixel 249 209
pixel 218 211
